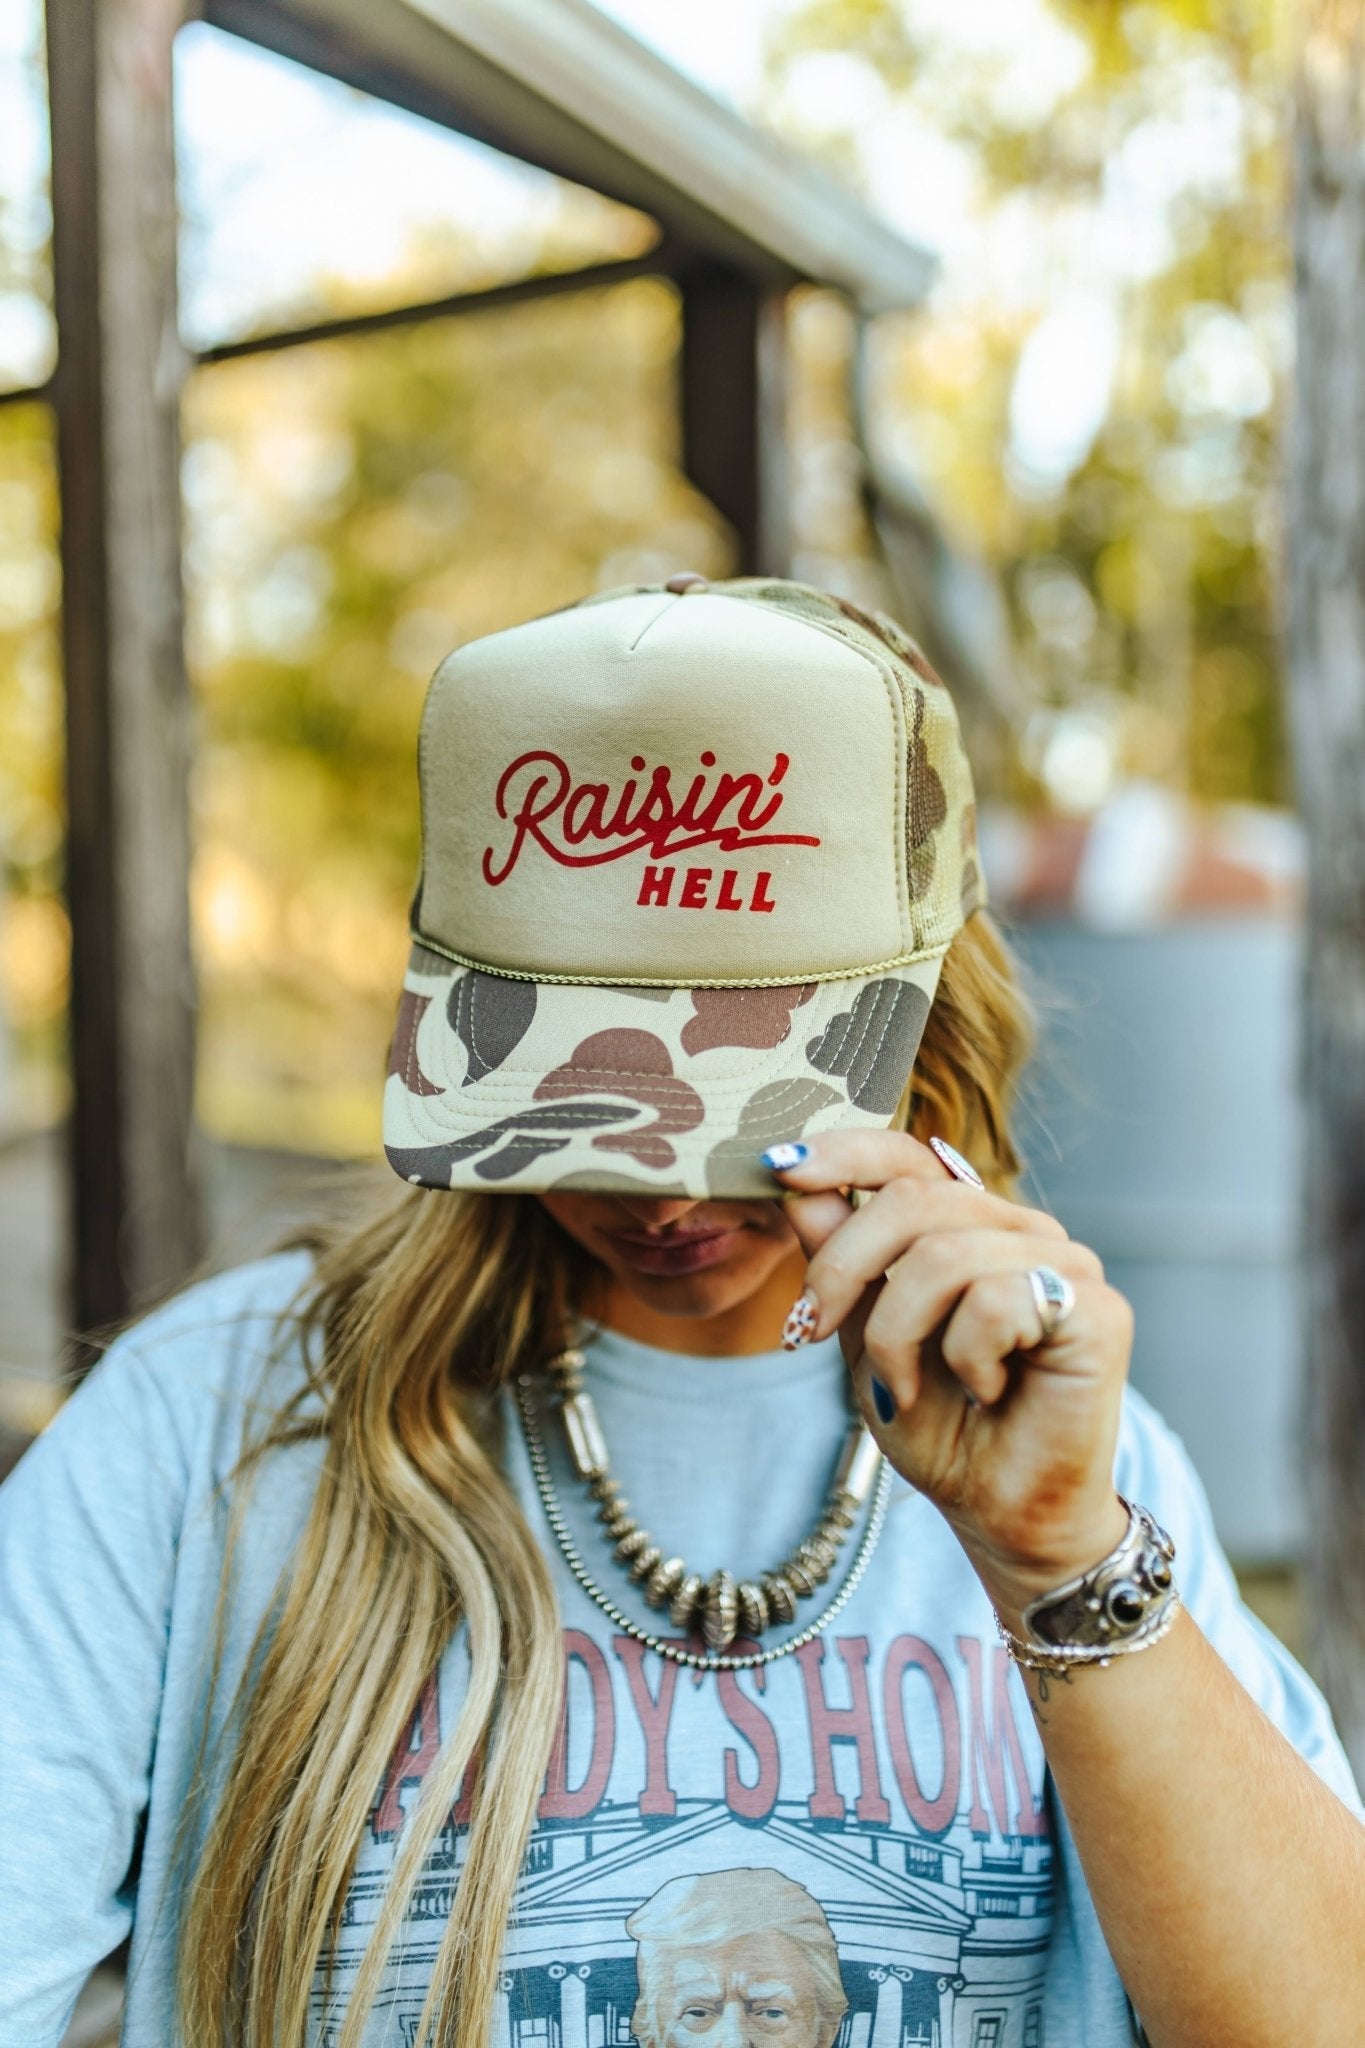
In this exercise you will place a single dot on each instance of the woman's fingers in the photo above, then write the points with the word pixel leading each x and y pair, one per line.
pixel 855 1159
pixel 995 1317
pixel 902 1214
pixel 931 1287
pixel 904 1195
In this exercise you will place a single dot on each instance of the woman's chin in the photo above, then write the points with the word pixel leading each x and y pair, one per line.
pixel 708 1293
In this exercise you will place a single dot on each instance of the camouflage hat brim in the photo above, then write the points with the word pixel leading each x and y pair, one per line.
pixel 501 1083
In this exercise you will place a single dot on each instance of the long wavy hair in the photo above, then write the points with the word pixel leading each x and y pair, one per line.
pixel 409 1323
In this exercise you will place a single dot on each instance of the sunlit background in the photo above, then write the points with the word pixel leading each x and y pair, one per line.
pixel 1088 403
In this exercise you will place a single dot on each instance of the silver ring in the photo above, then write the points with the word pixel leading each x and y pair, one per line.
pixel 960 1168
pixel 1054 1297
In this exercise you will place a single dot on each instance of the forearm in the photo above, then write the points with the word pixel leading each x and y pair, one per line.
pixel 1228 1879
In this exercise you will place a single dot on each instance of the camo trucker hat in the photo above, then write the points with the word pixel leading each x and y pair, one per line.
pixel 691 857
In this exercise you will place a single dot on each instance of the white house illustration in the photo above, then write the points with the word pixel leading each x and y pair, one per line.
pixel 933 1951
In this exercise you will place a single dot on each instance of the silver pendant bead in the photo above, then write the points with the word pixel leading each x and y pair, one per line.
pixel 632 1543
pixel 780 1595
pixel 720 1616
pixel 664 1581
pixel 587 1444
pixel 645 1561
pixel 683 1606
pixel 816 1558
pixel 567 1372
pixel 642 1565
pixel 798 1578
pixel 858 1467
pixel 753 1607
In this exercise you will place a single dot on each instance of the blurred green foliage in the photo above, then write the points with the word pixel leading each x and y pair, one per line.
pixel 1149 181
pixel 33 930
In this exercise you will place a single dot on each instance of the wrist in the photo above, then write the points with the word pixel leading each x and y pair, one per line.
pixel 1125 1602
pixel 1012 1582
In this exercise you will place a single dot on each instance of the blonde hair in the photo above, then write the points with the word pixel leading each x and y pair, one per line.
pixel 409 1324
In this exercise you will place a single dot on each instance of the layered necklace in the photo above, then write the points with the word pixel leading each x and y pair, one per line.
pixel 719 1608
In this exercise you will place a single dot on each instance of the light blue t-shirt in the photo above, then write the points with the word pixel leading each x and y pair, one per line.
pixel 861 1836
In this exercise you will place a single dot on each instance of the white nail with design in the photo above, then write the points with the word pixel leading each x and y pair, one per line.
pixel 799 1327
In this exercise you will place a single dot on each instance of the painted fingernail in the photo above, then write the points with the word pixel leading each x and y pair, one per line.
pixel 960 1168
pixel 799 1327
pixel 781 1158
pixel 882 1401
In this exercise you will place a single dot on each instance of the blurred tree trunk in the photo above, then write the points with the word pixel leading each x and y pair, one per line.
pixel 1326 547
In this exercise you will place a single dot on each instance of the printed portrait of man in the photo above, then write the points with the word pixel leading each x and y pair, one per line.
pixel 737 1958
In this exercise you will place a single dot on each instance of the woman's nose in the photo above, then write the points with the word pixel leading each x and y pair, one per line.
pixel 655 1213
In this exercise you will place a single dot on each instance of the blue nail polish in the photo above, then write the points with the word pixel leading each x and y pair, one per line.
pixel 882 1402
pixel 780 1158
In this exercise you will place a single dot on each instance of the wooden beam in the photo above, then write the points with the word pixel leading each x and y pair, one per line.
pixel 660 262
pixel 134 1203
pixel 733 402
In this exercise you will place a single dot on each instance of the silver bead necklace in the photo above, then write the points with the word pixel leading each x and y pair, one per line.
pixel 718 1607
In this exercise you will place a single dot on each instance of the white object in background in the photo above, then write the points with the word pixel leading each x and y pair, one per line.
pixel 1134 857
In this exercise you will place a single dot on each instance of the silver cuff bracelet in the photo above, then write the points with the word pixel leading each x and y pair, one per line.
pixel 1124 1603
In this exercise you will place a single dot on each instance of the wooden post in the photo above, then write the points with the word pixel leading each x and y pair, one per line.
pixel 1326 538
pixel 134 1206
pixel 734 397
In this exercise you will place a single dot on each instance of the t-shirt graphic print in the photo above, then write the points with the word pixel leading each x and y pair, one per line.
pixel 848 1845
pixel 835 1848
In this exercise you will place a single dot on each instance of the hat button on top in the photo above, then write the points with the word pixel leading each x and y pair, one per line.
pixel 686 580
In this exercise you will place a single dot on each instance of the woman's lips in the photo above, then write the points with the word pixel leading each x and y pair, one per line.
pixel 687 1253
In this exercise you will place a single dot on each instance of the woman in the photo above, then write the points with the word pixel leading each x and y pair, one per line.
pixel 333 1659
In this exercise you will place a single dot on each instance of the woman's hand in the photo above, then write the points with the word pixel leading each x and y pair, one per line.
pixel 1011 1435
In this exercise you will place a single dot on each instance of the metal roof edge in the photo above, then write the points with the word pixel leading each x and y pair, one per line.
pixel 561 84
